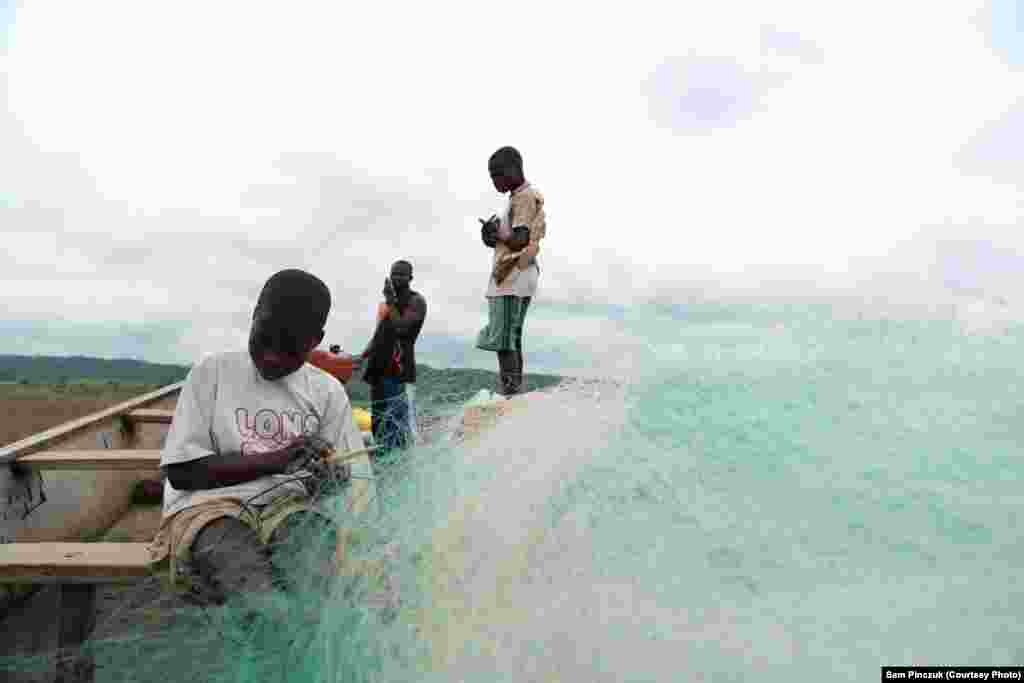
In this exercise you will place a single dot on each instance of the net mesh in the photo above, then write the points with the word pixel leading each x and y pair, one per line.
pixel 761 491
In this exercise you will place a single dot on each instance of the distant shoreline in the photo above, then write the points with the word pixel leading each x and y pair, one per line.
pixel 80 375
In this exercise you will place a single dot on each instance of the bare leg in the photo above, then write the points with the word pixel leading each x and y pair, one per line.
pixel 517 359
pixel 519 371
pixel 506 372
pixel 230 559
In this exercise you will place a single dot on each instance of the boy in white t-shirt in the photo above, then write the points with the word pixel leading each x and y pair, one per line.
pixel 247 429
pixel 514 272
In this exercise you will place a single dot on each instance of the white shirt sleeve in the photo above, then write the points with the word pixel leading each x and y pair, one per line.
pixel 190 434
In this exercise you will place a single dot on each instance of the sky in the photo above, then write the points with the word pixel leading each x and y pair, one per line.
pixel 161 160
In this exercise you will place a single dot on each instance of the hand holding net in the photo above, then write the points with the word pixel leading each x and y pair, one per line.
pixel 315 456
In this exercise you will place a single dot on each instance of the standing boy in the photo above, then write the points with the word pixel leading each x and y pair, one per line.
pixel 515 238
pixel 391 359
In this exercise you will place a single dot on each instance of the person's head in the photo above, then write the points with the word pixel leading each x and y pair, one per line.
pixel 506 169
pixel 401 275
pixel 288 322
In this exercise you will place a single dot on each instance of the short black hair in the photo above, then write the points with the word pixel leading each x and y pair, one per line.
pixel 297 299
pixel 507 156
pixel 402 262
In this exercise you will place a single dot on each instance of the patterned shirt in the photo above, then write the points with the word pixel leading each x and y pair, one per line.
pixel 226 407
pixel 525 207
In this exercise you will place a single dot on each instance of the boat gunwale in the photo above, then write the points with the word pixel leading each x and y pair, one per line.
pixel 49 437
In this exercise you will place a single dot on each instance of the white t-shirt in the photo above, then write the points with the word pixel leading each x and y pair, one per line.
pixel 226 407
pixel 521 283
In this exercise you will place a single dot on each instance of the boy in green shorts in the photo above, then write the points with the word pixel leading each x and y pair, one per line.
pixel 515 238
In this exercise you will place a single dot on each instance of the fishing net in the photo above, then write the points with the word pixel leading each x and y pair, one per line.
pixel 763 493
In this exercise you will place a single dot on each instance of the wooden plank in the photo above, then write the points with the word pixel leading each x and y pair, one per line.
pixel 77 617
pixel 147 416
pixel 73 562
pixel 50 437
pixel 107 459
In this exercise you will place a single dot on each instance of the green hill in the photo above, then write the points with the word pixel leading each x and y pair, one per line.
pixel 433 385
pixel 73 369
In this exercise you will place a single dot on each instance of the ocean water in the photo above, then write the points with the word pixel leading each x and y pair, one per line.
pixel 771 493
pixel 765 493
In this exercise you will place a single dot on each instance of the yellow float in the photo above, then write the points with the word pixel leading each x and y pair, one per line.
pixel 363 419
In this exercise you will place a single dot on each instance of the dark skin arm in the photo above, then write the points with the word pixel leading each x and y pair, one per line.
pixel 389 299
pixel 369 349
pixel 406 323
pixel 229 469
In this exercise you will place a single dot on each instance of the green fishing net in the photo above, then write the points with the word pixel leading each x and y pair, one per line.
pixel 763 493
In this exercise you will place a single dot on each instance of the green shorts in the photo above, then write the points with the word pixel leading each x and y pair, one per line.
pixel 504 331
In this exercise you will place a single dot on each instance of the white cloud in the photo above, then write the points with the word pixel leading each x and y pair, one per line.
pixel 789 44
pixel 697 95
pixel 997 150
pixel 196 148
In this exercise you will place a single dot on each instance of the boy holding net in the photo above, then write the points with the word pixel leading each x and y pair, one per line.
pixel 247 451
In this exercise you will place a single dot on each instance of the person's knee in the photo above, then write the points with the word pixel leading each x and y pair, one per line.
pixel 224 534
pixel 228 554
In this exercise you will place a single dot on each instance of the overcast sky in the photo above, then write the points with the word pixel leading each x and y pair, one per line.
pixel 158 161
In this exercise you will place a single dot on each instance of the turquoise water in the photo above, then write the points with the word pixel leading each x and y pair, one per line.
pixel 769 494
pixel 781 493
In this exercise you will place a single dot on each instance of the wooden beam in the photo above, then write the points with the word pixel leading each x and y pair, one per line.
pixel 148 416
pixel 108 459
pixel 73 562
pixel 46 439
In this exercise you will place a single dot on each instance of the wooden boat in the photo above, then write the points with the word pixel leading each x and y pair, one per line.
pixel 66 506
pixel 66 494
pixel 76 479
